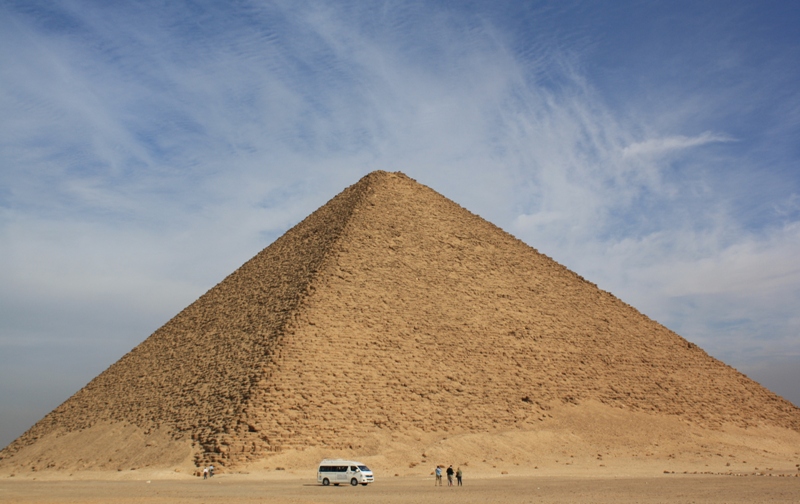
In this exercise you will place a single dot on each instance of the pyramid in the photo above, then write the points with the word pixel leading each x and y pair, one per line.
pixel 390 309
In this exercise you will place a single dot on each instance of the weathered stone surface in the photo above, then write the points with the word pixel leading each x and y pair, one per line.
pixel 393 308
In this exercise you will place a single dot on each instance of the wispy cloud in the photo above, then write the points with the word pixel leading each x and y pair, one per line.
pixel 666 145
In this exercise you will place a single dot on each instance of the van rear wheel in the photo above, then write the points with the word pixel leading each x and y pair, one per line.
pixel 326 482
pixel 354 482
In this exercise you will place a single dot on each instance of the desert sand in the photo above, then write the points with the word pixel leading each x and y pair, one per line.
pixel 554 463
pixel 291 488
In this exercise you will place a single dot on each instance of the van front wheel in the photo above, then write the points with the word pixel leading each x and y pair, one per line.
pixel 326 482
pixel 354 482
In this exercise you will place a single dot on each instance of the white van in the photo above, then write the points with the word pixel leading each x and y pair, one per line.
pixel 343 471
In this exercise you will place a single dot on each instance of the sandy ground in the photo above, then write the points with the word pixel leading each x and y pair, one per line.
pixel 651 459
pixel 509 489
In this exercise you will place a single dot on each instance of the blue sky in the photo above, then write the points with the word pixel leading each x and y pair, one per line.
pixel 148 149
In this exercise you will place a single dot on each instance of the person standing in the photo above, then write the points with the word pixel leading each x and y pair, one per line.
pixel 438 476
pixel 459 474
pixel 450 475
pixel 205 473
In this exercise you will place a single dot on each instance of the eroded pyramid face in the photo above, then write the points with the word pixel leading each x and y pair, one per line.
pixel 391 308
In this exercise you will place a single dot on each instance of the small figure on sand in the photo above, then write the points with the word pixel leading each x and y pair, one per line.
pixel 205 473
pixel 211 470
pixel 459 474
pixel 450 475
pixel 438 472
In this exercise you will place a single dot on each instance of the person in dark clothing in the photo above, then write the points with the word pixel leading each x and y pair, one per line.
pixel 450 476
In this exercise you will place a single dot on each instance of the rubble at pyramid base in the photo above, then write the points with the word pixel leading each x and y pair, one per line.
pixel 574 440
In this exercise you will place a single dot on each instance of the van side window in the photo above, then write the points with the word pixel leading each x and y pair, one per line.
pixel 332 468
pixel 353 468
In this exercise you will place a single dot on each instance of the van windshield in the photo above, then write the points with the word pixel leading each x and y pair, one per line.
pixel 363 468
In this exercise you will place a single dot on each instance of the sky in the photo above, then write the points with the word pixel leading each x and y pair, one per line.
pixel 149 148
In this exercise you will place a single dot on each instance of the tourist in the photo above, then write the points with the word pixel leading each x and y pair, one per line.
pixel 211 470
pixel 450 475
pixel 438 476
pixel 459 474
pixel 205 473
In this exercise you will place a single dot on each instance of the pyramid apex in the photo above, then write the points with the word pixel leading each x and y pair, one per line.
pixel 386 175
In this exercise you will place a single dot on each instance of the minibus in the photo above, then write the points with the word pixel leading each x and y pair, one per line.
pixel 343 471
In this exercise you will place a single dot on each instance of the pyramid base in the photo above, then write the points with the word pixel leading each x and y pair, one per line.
pixel 589 439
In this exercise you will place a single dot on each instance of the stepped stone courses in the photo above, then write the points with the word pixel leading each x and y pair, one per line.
pixel 393 308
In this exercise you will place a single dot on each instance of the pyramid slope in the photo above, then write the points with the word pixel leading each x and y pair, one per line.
pixel 428 317
pixel 393 309
pixel 194 374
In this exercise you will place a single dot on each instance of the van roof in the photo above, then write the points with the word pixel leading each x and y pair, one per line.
pixel 341 462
